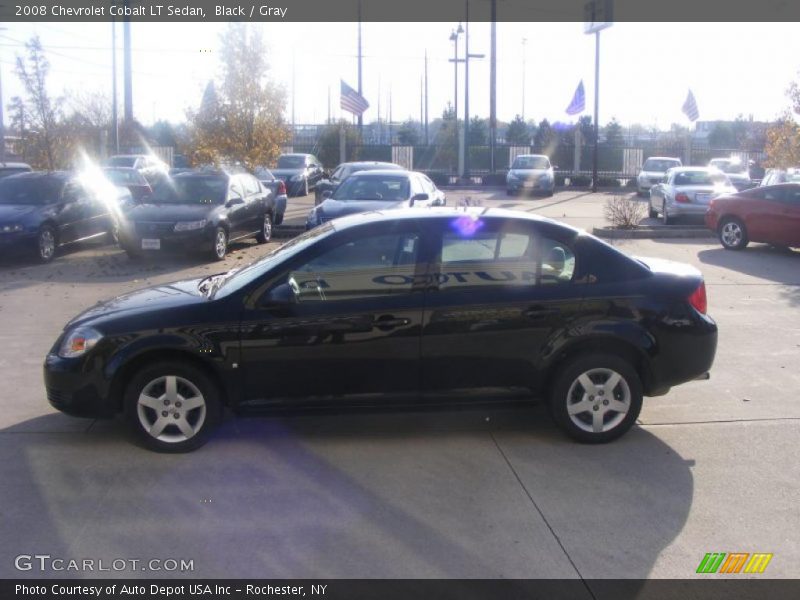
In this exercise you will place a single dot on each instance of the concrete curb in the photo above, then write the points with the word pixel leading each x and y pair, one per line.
pixel 653 232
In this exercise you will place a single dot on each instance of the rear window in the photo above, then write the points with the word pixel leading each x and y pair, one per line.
pixel 291 162
pixel 659 165
pixel 121 161
pixel 699 178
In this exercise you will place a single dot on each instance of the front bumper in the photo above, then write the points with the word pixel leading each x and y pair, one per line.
pixel 76 388
pixel 174 241
pixel 531 185
pixel 21 241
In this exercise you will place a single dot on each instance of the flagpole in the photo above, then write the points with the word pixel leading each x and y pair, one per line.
pixel 360 91
pixel 596 108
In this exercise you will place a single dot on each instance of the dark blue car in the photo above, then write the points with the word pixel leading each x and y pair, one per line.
pixel 41 211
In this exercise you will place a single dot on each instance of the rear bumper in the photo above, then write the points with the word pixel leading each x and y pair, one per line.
pixel 686 351
pixel 677 209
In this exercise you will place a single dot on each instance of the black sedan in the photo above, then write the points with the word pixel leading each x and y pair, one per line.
pixel 343 171
pixel 300 172
pixel 41 211
pixel 198 210
pixel 399 302
pixel 376 190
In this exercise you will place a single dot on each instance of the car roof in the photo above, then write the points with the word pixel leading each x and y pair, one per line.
pixel 444 212
pixel 531 156
pixel 379 172
pixel 367 163
pixel 662 158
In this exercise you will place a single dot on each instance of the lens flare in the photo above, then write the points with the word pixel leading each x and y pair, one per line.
pixel 467 225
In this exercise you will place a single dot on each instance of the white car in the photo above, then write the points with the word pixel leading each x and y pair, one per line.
pixel 532 173
pixel 653 171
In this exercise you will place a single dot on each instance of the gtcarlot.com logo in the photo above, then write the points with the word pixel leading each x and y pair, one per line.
pixel 46 562
pixel 734 562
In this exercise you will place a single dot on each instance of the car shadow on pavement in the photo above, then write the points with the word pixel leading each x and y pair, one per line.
pixel 474 492
pixel 778 265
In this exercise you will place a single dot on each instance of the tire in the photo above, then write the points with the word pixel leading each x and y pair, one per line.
pixel 112 235
pixel 550 193
pixel 133 254
pixel 733 234
pixel 510 193
pixel 219 247
pixel 168 388
pixel 46 244
pixel 665 218
pixel 653 214
pixel 265 234
pixel 599 422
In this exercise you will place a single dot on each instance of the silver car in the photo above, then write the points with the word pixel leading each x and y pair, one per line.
pixel 531 172
pixel 735 169
pixel 653 171
pixel 687 191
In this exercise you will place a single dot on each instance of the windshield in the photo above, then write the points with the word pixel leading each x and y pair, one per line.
pixel 700 178
pixel 121 161
pixel 236 279
pixel 263 174
pixel 191 190
pixel 29 191
pixel 729 166
pixel 291 162
pixel 390 188
pixel 125 177
pixel 658 165
pixel 531 162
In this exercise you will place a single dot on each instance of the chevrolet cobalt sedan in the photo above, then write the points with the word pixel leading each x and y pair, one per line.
pixel 397 303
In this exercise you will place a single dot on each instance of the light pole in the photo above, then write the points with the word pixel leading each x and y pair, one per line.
pixel 455 60
pixel 2 118
pixel 467 56
pixel 524 42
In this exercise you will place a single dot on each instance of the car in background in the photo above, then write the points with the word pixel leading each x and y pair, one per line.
pixel 530 172
pixel 199 210
pixel 129 178
pixel 150 166
pixel 653 171
pixel 376 190
pixel 277 188
pixel 687 191
pixel 41 211
pixel 343 171
pixel 14 168
pixel 769 214
pixel 776 176
pixel 394 305
pixel 300 172
pixel 737 171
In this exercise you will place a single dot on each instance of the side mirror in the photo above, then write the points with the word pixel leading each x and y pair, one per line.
pixel 419 197
pixel 234 200
pixel 327 194
pixel 279 297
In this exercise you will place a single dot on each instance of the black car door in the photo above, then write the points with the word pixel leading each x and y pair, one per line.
pixel 352 323
pixel 237 209
pixel 502 294
pixel 73 211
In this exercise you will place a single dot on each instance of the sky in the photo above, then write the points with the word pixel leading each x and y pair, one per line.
pixel 646 69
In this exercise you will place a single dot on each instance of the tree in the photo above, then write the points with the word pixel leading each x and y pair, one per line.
pixel 241 120
pixel 518 132
pixel 783 143
pixel 446 140
pixel 587 129
pixel 328 142
pixel 478 132
pixel 614 136
pixel 722 136
pixel 408 134
pixel 163 134
pixel 545 137
pixel 42 113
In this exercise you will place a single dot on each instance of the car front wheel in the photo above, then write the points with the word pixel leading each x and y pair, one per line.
pixel 665 218
pixel 46 244
pixel 265 234
pixel 172 406
pixel 733 234
pixel 220 248
pixel 596 398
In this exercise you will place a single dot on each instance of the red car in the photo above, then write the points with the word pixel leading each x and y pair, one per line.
pixel 769 214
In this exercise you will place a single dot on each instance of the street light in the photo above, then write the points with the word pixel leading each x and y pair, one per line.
pixel 467 56
pixel 455 60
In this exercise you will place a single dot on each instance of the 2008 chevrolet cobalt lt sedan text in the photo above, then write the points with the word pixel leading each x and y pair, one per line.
pixel 408 301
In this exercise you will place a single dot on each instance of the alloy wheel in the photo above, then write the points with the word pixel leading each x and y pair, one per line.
pixel 171 409
pixel 598 400
pixel 47 244
pixel 221 244
pixel 732 234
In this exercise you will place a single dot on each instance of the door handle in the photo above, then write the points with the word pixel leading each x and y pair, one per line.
pixel 388 322
pixel 540 312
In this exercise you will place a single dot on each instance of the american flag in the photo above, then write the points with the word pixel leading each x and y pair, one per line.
pixel 578 101
pixel 352 101
pixel 689 107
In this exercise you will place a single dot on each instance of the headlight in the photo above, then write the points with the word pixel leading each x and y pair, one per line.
pixel 78 342
pixel 190 225
pixel 10 228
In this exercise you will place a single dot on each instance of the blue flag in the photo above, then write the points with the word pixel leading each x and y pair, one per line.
pixel 578 101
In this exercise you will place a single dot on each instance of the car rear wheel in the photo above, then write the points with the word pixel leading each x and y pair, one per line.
pixel 220 248
pixel 265 234
pixel 172 406
pixel 46 244
pixel 651 212
pixel 733 234
pixel 595 398
pixel 665 218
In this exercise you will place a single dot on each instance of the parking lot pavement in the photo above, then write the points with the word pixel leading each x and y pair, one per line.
pixel 475 492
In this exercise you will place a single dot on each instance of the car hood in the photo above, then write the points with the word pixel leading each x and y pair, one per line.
pixel 169 212
pixel 11 213
pixel 338 208
pixel 286 173
pixel 528 172
pixel 170 295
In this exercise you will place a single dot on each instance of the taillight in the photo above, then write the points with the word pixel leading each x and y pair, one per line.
pixel 682 198
pixel 698 298
pixel 281 187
